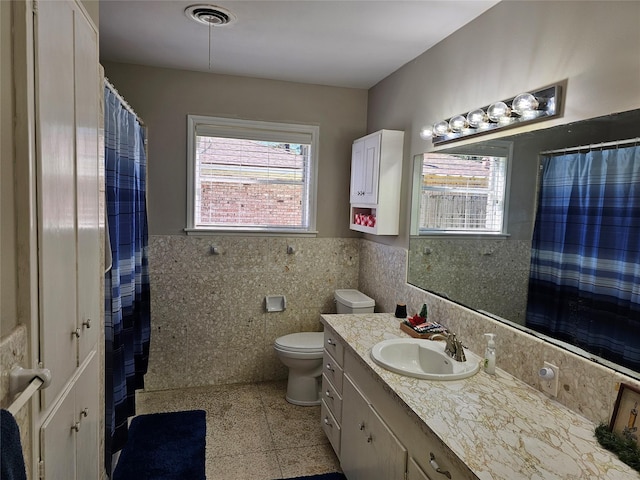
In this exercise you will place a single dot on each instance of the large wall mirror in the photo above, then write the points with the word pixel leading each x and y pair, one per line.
pixel 490 272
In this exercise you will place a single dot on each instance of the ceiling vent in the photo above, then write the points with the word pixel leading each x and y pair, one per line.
pixel 210 15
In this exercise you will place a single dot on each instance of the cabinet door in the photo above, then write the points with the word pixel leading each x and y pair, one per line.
pixel 87 96
pixel 369 450
pixel 414 472
pixel 365 168
pixel 58 442
pixel 55 117
pixel 88 458
pixel 70 434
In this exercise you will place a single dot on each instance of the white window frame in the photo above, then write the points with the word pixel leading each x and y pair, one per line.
pixel 498 149
pixel 250 130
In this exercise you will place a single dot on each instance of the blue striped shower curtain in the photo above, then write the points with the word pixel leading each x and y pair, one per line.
pixel 127 304
pixel 584 285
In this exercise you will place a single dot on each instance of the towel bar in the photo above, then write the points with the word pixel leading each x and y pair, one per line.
pixel 29 381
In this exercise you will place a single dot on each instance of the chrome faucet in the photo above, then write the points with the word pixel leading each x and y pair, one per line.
pixel 454 348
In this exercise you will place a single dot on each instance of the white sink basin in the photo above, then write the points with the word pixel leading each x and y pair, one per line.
pixel 419 358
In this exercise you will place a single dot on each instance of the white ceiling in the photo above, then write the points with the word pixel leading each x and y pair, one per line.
pixel 346 43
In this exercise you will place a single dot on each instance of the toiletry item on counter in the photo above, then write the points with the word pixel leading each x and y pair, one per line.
pixel 423 330
pixel 419 318
pixel 490 354
pixel 401 310
pixel 429 327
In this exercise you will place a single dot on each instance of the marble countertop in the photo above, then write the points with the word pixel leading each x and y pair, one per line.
pixel 499 426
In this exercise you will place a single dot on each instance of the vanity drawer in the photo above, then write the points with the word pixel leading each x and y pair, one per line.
pixel 332 398
pixel 333 371
pixel 330 427
pixel 334 346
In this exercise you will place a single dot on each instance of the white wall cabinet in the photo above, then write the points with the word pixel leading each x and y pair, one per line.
pixel 376 175
pixel 379 439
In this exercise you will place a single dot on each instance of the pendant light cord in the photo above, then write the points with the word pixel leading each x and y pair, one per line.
pixel 210 27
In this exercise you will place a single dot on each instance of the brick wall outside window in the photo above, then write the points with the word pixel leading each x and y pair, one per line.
pixel 250 204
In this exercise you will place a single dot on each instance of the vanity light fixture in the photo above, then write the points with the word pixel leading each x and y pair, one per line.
pixel 524 108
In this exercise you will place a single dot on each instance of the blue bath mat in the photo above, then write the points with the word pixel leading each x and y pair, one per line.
pixel 164 446
pixel 324 476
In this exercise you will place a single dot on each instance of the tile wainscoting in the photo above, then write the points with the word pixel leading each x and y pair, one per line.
pixel 209 326
pixel 208 322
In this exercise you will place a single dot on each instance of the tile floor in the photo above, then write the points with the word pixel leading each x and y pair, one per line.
pixel 253 433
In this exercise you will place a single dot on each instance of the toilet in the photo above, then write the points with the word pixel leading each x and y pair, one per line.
pixel 349 300
pixel 302 352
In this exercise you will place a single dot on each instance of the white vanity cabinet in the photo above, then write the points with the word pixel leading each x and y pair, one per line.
pixel 429 455
pixel 332 382
pixel 372 434
pixel 376 174
pixel 370 450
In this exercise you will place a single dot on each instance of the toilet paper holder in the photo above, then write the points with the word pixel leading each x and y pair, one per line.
pixel 275 303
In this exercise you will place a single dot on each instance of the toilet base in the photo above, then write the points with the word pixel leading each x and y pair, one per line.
pixel 303 390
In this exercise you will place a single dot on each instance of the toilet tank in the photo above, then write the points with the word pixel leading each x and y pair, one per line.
pixel 353 301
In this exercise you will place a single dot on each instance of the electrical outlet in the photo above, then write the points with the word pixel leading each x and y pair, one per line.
pixel 550 386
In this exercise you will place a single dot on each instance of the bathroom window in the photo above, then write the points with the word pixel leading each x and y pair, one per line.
pixel 462 194
pixel 250 176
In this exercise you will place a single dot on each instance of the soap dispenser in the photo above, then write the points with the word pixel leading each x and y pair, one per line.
pixel 490 354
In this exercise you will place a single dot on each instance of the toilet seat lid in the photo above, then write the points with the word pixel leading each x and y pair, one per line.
pixel 301 342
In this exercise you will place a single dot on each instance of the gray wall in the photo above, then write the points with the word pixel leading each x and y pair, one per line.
pixel 164 98
pixel 516 46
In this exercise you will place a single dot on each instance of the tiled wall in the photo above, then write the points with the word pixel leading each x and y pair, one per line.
pixel 13 352
pixel 496 272
pixel 209 325
pixel 585 387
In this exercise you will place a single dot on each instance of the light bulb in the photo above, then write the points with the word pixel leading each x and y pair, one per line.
pixel 477 118
pixel 426 133
pixel 440 129
pixel 551 106
pixel 499 112
pixel 524 104
pixel 458 123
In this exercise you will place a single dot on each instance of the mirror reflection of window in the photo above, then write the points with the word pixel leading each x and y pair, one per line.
pixel 462 194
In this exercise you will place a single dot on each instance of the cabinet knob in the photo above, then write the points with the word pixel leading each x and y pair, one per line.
pixel 369 439
pixel 330 368
pixel 436 467
pixel 76 427
pixel 87 323
pixel 328 394
pixel 331 342
pixel 84 413
pixel 327 422
pixel 76 332
pixel 361 426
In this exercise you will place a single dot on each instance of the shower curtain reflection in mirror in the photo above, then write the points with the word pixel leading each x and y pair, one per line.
pixel 584 285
